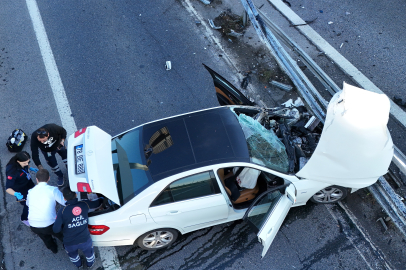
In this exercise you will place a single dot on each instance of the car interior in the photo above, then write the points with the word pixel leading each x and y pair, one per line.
pixel 247 196
pixel 105 207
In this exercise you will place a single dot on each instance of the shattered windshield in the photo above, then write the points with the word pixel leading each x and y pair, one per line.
pixel 264 146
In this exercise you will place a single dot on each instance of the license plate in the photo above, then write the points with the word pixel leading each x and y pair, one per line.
pixel 80 162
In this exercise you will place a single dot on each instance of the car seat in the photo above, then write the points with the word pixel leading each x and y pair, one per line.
pixel 245 194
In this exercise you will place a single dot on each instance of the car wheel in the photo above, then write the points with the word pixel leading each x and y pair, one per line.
pixel 157 239
pixel 329 195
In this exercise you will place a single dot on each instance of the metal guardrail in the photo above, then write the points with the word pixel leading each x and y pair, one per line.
pixel 327 82
pixel 384 194
pixel 400 160
pixel 304 86
pixel 389 200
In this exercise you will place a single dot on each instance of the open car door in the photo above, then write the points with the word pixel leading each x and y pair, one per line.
pixel 226 93
pixel 268 211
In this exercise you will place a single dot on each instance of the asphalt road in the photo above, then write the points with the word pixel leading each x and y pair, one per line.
pixel 111 58
pixel 310 238
pixel 368 33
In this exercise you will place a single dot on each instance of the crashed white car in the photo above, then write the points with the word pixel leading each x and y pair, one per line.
pixel 172 176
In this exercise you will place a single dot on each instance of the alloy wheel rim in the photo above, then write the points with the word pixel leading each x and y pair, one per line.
pixel 157 239
pixel 328 195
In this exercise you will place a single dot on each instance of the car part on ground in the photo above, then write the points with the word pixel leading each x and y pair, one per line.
pixel 330 195
pixel 157 239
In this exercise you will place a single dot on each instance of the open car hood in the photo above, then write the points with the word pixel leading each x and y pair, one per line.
pixel 98 163
pixel 355 147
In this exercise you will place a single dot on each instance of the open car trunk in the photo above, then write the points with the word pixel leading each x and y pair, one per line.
pixel 89 150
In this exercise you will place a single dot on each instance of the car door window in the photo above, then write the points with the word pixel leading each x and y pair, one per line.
pixel 263 208
pixel 194 186
pixel 226 93
pixel 267 212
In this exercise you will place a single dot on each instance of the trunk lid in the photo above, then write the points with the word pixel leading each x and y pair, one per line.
pixel 90 152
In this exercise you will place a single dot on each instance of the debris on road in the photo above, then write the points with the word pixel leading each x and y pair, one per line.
pixel 168 65
pixel 330 22
pixel 282 86
pixel 246 81
pixel 383 224
pixel 312 123
pixel 234 34
pixel 231 24
pixel 305 88
pixel 206 2
pixel 213 26
pixel 289 104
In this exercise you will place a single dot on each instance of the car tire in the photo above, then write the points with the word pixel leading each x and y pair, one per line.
pixel 157 239
pixel 330 194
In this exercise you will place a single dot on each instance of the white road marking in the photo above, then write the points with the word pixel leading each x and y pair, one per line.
pixel 109 258
pixel 336 57
pixel 108 255
pixel 52 70
pixel 358 245
pixel 364 234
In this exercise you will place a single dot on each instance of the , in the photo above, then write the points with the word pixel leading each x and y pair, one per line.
pixel 183 173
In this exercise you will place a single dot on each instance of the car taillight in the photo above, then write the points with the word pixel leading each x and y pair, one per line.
pixel 80 132
pixel 97 229
pixel 84 187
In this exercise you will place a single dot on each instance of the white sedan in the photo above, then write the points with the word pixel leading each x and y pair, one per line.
pixel 240 161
